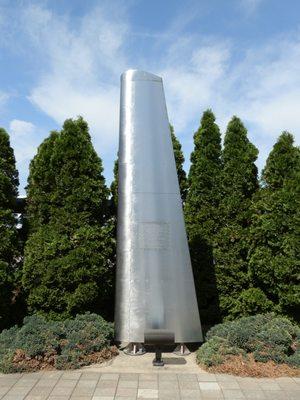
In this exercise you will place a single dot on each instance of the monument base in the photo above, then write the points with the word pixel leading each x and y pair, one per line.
pixel 134 349
pixel 181 350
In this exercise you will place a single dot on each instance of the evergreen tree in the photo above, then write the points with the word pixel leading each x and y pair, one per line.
pixel 275 248
pixel 67 268
pixel 41 184
pixel 114 190
pixel 201 213
pixel 8 232
pixel 238 185
pixel 179 160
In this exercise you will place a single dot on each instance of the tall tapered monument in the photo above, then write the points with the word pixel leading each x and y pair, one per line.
pixel 155 285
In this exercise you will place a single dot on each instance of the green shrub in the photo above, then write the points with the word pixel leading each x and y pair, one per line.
pixel 65 343
pixel 215 350
pixel 294 360
pixel 267 336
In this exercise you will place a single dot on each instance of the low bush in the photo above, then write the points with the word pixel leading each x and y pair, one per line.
pixel 42 344
pixel 266 337
pixel 215 350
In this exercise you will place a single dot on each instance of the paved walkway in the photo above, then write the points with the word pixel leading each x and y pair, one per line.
pixel 175 381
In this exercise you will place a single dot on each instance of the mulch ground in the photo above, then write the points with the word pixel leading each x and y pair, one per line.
pixel 47 361
pixel 237 365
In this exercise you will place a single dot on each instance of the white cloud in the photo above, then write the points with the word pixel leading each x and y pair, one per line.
pixel 25 139
pixel 263 88
pixel 84 67
pixel 18 127
pixel 191 78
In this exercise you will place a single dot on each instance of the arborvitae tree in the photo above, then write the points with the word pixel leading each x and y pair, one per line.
pixel 41 184
pixel 8 232
pixel 238 184
pixel 179 160
pixel 67 267
pixel 275 247
pixel 114 189
pixel 201 212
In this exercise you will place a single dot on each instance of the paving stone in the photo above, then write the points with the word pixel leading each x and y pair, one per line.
pixel 8 381
pixel 4 390
pixel 147 393
pixel 288 385
pixel 53 374
pixel 254 394
pixel 189 385
pixel 187 377
pixel 190 393
pixel 233 394
pixel 127 392
pixel 79 398
pixel 87 383
pixel 248 384
pixel 37 396
pixel 58 398
pixel 230 384
pixel 206 377
pixel 224 377
pixel 66 383
pixel 62 391
pixel 125 398
pixel 148 377
pixel 285 379
pixel 107 383
pixel 109 377
pixel 269 386
pixel 168 394
pixel 105 391
pixel 71 375
pixel 90 375
pixel 152 384
pixel 293 395
pixel 275 395
pixel 129 376
pixel 13 375
pixel 168 385
pixel 26 382
pixel 42 390
pixel 46 383
pixel 103 398
pixel 20 390
pixel 83 391
pixel 167 377
pixel 14 397
pixel 211 395
pixel 128 384
pixel 209 386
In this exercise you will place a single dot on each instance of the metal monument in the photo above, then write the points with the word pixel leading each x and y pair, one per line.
pixel 155 285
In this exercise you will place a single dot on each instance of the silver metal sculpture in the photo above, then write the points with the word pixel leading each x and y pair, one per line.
pixel 155 285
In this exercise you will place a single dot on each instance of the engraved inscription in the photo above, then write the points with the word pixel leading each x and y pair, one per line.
pixel 154 235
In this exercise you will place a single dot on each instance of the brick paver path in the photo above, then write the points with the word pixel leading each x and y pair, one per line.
pixel 89 385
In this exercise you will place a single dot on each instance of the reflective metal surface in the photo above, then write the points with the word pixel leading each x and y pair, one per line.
pixel 155 286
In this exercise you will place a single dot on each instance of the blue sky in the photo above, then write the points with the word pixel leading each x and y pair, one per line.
pixel 63 58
